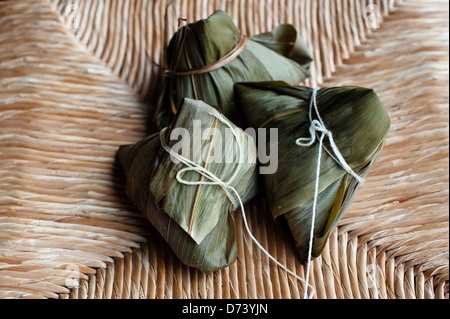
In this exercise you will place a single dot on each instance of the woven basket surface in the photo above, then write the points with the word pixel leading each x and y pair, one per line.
pixel 79 78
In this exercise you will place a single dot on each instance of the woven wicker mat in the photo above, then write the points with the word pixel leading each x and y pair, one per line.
pixel 78 78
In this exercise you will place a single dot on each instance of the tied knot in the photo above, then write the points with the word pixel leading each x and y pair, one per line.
pixel 211 178
pixel 227 58
pixel 214 180
pixel 316 126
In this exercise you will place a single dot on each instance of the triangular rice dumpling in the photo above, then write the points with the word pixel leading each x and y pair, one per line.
pixel 359 124
pixel 207 57
pixel 195 220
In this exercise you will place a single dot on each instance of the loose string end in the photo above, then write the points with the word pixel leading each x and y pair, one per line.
pixel 247 228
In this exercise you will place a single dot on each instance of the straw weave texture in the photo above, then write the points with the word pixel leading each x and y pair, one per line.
pixel 79 78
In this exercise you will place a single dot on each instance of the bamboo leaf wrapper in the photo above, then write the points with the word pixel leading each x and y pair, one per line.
pixel 195 220
pixel 359 124
pixel 277 55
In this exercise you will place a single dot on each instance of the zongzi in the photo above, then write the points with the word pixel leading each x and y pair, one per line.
pixel 356 124
pixel 172 177
pixel 206 58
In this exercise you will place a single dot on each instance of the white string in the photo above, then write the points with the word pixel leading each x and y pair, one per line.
pixel 214 180
pixel 319 126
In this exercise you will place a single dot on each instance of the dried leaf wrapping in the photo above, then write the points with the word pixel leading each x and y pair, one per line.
pixel 195 220
pixel 277 55
pixel 359 124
